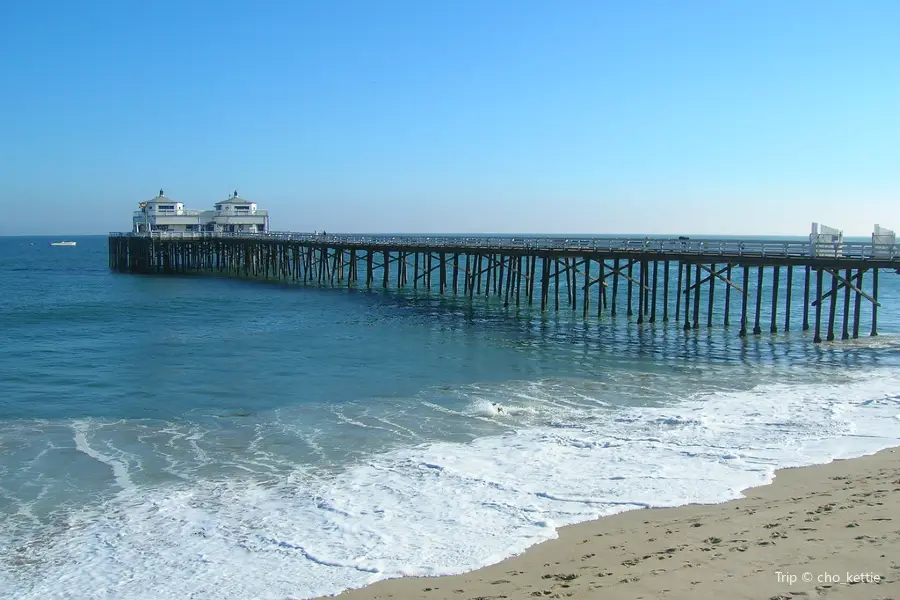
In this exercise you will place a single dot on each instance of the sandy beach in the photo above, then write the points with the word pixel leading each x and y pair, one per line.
pixel 827 531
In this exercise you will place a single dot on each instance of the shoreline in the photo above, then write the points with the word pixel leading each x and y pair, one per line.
pixel 836 524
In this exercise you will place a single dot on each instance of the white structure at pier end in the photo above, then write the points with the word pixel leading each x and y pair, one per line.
pixel 236 214
pixel 883 240
pixel 232 215
pixel 826 241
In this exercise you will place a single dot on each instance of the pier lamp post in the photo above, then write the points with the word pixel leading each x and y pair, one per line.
pixel 143 207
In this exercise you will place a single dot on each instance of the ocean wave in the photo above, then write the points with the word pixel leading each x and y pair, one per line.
pixel 431 508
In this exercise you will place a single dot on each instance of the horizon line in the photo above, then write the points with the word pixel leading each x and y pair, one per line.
pixel 486 234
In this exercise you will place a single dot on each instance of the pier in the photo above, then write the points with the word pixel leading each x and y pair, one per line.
pixel 754 286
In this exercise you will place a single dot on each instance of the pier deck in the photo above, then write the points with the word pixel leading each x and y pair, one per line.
pixel 521 270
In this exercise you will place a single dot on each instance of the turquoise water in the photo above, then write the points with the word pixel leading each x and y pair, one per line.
pixel 202 438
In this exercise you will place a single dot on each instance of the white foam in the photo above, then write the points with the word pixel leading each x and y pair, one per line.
pixel 119 468
pixel 491 410
pixel 444 508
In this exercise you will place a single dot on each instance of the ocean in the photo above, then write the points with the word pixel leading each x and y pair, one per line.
pixel 182 437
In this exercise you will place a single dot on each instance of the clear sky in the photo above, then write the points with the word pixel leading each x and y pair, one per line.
pixel 698 116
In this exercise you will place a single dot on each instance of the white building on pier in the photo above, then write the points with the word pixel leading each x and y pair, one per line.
pixel 232 215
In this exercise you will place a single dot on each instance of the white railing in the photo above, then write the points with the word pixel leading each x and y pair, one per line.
pixel 217 214
pixel 725 247
pixel 240 213
pixel 169 213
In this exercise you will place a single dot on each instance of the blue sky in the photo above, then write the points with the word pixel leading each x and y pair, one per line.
pixel 437 116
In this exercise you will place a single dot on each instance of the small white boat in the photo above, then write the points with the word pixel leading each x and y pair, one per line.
pixel 62 243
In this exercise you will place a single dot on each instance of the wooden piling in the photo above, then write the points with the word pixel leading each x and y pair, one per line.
pixel 601 287
pixel 545 282
pixel 666 291
pixel 641 286
pixel 571 283
pixel 829 335
pixel 759 290
pixel 697 297
pixel 518 278
pixel 817 337
pixel 687 297
pixel 845 328
pixel 744 299
pixel 856 302
pixel 615 274
pixel 787 298
pixel 727 296
pixel 556 285
pixel 645 285
pixel 587 283
pixel 678 295
pixel 875 302
pixel 628 310
pixel 806 299
pixel 773 326
pixel 532 279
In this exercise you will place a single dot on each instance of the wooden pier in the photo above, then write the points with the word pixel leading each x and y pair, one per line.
pixel 755 285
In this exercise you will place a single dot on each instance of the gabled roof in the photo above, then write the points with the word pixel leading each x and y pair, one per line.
pixel 235 199
pixel 161 198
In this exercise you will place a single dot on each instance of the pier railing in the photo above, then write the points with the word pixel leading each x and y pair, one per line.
pixel 199 213
pixel 729 247
pixel 168 213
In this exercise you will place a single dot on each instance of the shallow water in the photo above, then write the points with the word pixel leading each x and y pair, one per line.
pixel 202 438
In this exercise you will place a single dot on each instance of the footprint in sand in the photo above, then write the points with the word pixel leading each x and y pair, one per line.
pixel 560 576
